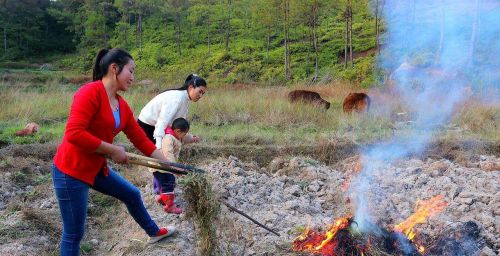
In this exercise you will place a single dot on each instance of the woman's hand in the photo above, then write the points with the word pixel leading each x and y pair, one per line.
pixel 118 155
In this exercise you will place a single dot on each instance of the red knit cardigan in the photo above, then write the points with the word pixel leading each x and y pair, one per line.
pixel 91 121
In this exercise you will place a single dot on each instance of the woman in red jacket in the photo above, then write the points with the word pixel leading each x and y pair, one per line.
pixel 98 113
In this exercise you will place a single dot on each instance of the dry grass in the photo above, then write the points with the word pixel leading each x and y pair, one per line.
pixel 479 118
pixel 250 114
pixel 44 107
pixel 39 220
pixel 203 207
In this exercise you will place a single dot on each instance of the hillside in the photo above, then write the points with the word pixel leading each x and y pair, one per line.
pixel 227 41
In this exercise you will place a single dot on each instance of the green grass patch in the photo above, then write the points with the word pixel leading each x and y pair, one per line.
pixel 86 248
pixel 46 133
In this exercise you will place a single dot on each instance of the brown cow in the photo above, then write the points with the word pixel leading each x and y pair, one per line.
pixel 359 102
pixel 308 97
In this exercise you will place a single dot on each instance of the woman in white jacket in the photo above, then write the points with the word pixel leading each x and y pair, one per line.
pixel 162 110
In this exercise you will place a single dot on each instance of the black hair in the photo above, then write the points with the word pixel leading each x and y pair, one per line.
pixel 106 57
pixel 192 79
pixel 181 124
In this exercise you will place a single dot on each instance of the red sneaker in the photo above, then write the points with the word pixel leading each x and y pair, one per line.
pixel 162 233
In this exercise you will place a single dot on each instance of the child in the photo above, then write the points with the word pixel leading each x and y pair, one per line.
pixel 171 147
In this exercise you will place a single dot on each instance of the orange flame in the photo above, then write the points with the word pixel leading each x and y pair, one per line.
pixel 317 243
pixel 424 209
pixel 325 243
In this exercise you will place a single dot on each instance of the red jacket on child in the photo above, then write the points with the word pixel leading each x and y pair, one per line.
pixel 91 121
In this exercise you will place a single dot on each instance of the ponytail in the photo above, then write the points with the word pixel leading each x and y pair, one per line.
pixel 188 80
pixel 107 57
pixel 97 72
pixel 192 79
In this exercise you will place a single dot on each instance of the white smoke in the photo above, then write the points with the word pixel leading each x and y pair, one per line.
pixel 435 51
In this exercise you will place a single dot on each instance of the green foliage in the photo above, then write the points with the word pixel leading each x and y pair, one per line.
pixel 86 248
pixel 361 73
pixel 33 29
pixel 46 134
pixel 225 41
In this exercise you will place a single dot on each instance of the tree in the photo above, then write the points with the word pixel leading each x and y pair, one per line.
pixel 253 39
pixel 98 19
pixel 308 13
pixel 5 21
pixel 379 10
pixel 28 28
pixel 178 8
pixel 123 26
pixel 348 33
pixel 227 23
pixel 201 14
pixel 286 29
pixel 67 30
pixel 263 15
pixel 139 8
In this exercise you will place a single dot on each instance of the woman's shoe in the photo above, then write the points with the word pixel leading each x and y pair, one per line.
pixel 162 233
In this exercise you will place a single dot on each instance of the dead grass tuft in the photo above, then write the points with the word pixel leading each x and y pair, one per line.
pixel 203 207
pixel 79 79
pixel 40 221
pixel 477 117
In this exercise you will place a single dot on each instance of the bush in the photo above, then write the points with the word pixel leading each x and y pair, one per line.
pixel 361 73
pixel 273 76
pixel 248 72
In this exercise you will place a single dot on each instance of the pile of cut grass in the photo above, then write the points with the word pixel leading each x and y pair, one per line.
pixel 203 207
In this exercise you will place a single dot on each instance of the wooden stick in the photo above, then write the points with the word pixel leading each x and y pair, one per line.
pixel 158 166
pixel 179 167
pixel 232 208
pixel 167 166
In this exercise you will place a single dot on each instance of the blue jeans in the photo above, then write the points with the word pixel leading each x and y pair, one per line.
pixel 72 195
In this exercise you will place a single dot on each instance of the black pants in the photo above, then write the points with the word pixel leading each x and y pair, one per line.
pixel 165 180
pixel 148 129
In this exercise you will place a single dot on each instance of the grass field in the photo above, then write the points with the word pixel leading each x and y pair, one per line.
pixel 234 114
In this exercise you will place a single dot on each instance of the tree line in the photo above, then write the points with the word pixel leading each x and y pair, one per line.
pixel 233 40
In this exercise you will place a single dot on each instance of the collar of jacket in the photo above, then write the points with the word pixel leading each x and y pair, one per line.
pixel 170 131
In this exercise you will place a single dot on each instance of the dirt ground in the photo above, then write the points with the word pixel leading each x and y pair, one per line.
pixel 286 193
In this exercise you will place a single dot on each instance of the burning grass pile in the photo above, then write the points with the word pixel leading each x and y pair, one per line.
pixel 298 193
pixel 345 237
pixel 202 207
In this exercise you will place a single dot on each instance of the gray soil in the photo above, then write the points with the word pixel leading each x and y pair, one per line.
pixel 286 194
